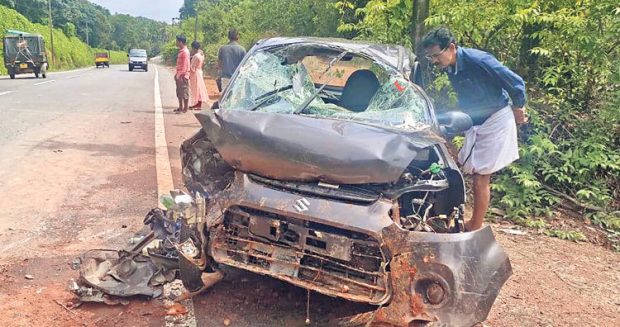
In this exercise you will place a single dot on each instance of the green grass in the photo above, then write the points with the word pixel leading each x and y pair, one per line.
pixel 571 235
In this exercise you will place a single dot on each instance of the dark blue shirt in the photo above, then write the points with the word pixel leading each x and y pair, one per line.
pixel 483 85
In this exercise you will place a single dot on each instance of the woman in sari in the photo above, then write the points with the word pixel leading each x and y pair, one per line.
pixel 196 80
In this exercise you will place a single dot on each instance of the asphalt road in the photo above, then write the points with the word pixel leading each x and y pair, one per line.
pixel 77 171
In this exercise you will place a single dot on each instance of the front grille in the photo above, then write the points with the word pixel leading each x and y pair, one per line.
pixel 344 193
pixel 329 260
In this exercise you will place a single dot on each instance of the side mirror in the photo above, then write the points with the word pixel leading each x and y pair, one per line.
pixel 453 123
pixel 216 105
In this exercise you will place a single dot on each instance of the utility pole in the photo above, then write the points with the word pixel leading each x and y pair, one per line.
pixel 51 26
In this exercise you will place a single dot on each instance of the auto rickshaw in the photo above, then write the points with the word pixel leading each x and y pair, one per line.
pixel 102 59
pixel 24 53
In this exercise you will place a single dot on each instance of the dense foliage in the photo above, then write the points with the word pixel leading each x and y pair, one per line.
pixel 70 51
pixel 94 25
pixel 255 19
pixel 566 50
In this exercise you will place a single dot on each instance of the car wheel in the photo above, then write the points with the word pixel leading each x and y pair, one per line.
pixel 12 75
pixel 131 68
pixel 189 273
pixel 146 68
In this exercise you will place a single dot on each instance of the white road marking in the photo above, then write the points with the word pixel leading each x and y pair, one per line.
pixel 162 161
pixel 5 92
pixel 164 185
pixel 50 81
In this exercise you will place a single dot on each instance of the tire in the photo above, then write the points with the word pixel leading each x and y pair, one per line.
pixel 12 75
pixel 146 68
pixel 189 273
pixel 130 68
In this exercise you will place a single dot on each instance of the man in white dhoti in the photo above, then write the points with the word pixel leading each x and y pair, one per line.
pixel 494 97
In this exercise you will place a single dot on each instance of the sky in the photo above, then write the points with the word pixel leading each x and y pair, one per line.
pixel 161 10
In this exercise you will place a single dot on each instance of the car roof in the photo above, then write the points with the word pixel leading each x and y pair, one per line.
pixel 396 56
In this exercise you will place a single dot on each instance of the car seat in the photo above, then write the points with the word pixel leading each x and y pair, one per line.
pixel 360 87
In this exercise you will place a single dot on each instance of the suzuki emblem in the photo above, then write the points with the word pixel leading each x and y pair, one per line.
pixel 301 205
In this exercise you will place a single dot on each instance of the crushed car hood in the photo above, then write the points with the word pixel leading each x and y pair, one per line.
pixel 302 148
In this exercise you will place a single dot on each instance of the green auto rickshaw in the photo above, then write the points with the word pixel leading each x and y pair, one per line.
pixel 24 53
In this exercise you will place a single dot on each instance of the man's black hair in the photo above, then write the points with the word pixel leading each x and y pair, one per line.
pixel 182 38
pixel 195 45
pixel 233 35
pixel 440 36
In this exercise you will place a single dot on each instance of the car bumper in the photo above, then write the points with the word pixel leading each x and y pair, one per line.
pixel 358 253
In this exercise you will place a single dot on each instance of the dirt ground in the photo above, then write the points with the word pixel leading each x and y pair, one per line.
pixel 554 282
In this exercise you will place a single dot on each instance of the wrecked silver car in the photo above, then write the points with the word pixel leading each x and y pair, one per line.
pixel 322 165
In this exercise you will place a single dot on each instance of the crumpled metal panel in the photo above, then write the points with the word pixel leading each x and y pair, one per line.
pixel 103 271
pixel 468 268
pixel 330 150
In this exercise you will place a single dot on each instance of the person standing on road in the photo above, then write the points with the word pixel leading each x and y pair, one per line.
pixel 196 80
pixel 229 56
pixel 181 77
pixel 494 97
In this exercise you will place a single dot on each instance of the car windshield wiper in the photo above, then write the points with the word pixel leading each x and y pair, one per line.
pixel 280 89
pixel 305 104
pixel 269 95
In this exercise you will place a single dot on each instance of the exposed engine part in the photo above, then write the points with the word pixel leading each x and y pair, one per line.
pixel 452 223
pixel 204 170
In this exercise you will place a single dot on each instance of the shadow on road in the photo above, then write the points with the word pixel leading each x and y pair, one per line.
pixel 134 71
pixel 97 150
pixel 248 299
pixel 6 78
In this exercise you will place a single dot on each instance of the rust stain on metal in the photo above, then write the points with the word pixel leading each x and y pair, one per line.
pixel 417 305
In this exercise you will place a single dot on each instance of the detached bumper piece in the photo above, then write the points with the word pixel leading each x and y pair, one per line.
pixel 109 275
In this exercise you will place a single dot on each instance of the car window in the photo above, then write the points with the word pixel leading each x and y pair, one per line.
pixel 137 53
pixel 267 82
pixel 341 70
pixel 14 45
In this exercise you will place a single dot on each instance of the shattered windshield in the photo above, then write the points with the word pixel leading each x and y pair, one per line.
pixel 356 88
